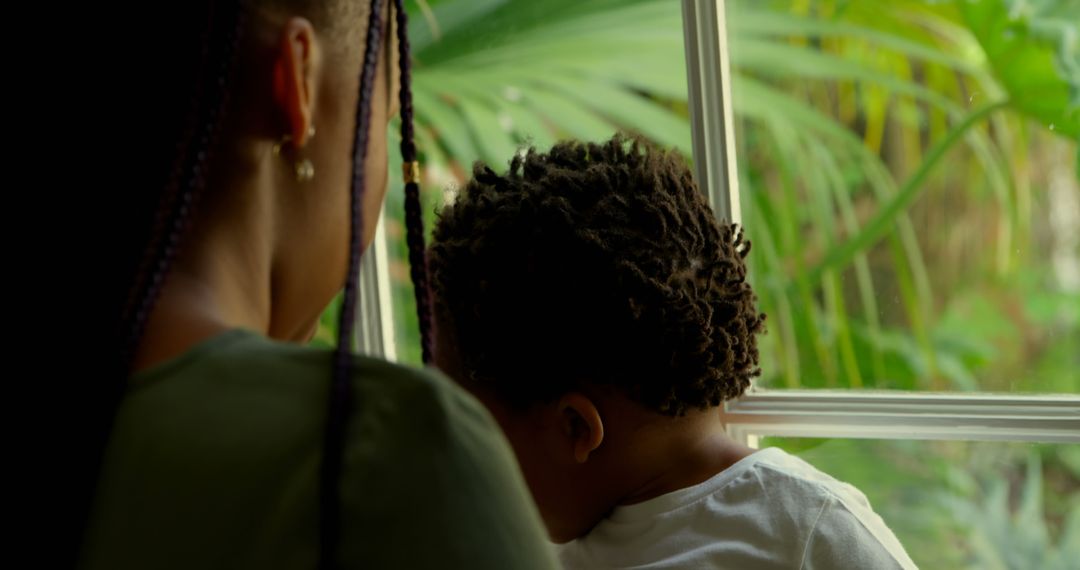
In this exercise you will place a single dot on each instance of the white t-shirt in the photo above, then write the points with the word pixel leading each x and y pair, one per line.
pixel 769 510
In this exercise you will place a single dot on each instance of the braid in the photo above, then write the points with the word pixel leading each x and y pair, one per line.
pixel 341 404
pixel 188 178
pixel 414 222
pixel 172 211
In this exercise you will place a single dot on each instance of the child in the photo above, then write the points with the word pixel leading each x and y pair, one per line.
pixel 593 302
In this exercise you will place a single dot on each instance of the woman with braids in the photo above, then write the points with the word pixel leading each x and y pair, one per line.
pixel 220 440
pixel 592 301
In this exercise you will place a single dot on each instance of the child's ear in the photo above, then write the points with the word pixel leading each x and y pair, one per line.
pixel 581 424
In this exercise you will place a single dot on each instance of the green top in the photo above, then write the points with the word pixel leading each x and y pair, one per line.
pixel 214 461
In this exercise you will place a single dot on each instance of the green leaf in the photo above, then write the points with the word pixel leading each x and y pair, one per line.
pixel 1034 50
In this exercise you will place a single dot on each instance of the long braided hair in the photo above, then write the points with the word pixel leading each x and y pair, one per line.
pixel 209 104
pixel 158 221
pixel 414 224
pixel 341 399
pixel 202 66
pixel 340 404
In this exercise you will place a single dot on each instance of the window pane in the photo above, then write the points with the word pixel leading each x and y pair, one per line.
pixel 956 504
pixel 491 77
pixel 892 249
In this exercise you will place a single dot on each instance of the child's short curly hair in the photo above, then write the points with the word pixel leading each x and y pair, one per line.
pixel 596 264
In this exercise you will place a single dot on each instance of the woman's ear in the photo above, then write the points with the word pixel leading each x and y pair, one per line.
pixel 294 78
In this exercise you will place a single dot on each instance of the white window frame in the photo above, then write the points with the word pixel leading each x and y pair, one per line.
pixel 779 413
pixel 375 315
pixel 837 414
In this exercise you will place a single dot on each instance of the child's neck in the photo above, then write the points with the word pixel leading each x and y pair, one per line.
pixel 683 455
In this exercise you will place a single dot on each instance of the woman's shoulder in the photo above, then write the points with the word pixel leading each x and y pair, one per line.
pixel 241 358
pixel 268 378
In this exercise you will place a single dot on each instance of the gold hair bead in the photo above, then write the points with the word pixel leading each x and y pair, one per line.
pixel 410 171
